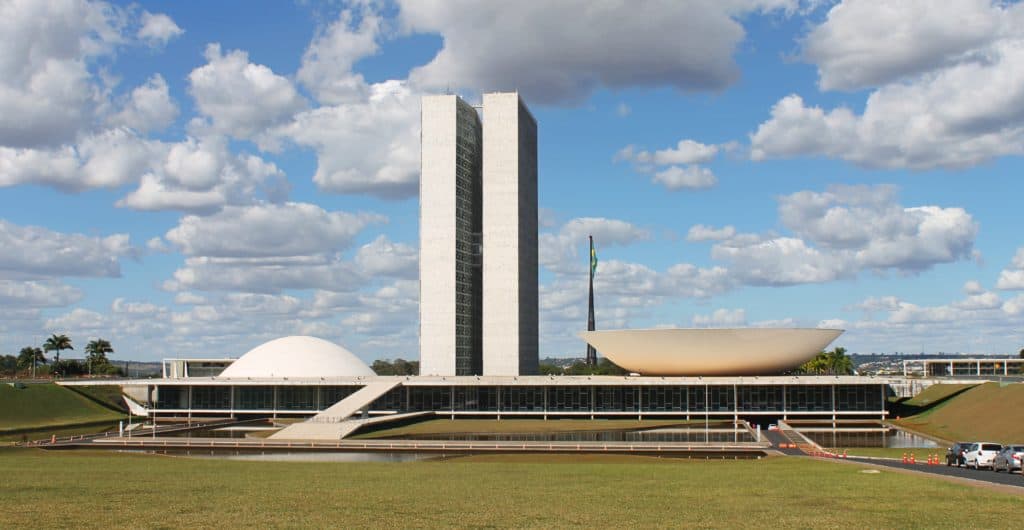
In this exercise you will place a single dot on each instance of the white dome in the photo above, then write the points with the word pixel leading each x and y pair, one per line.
pixel 297 357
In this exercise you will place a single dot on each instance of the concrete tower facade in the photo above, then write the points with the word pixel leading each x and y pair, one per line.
pixel 478 237
pixel 450 225
pixel 510 321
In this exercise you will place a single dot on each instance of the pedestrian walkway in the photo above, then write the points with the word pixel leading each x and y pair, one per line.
pixel 333 422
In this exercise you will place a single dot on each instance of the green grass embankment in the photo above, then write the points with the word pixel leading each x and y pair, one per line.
pixel 42 406
pixel 930 397
pixel 990 412
pixel 936 394
pixel 105 490
pixel 108 396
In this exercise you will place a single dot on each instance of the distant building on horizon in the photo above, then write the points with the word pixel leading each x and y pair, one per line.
pixel 478 237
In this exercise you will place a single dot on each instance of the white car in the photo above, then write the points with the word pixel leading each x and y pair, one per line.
pixel 981 454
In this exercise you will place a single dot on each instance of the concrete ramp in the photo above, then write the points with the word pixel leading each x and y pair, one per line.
pixel 330 423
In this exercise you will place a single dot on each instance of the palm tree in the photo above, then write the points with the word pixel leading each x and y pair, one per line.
pixel 30 356
pixel 97 350
pixel 57 343
pixel 817 365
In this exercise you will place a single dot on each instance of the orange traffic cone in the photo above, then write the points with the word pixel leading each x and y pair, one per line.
pixel 905 461
pixel 912 459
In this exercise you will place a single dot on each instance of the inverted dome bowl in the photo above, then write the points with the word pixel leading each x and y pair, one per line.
pixel 710 352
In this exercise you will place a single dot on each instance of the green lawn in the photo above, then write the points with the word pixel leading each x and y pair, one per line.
pixel 445 426
pixel 932 396
pixel 936 393
pixel 103 490
pixel 48 405
pixel 988 412
pixel 106 395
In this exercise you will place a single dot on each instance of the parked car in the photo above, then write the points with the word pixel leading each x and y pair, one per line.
pixel 981 454
pixel 1008 459
pixel 955 454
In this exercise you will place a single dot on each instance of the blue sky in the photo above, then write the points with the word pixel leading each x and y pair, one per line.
pixel 196 178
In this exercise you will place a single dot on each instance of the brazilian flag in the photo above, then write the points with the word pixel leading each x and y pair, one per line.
pixel 593 259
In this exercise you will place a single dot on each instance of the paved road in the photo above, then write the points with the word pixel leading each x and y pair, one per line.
pixel 777 438
pixel 1013 479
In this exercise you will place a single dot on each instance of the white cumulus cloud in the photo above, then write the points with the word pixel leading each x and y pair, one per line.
pixel 149 107
pixel 157 29
pixel 37 252
pixel 240 98
pixel 576 47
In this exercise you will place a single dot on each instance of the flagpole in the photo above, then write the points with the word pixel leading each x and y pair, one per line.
pixel 591 352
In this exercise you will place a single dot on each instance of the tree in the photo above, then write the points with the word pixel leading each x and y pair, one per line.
pixel 1022 353
pixel 8 365
pixel 57 343
pixel 837 362
pixel 397 367
pixel 549 369
pixel 603 367
pixel 29 357
pixel 68 367
pixel 97 351
pixel 382 367
pixel 833 362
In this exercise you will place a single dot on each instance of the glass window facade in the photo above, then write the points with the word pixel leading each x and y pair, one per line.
pixel 593 399
pixel 468 225
pixel 569 399
pixel 172 397
pixel 296 398
pixel 211 397
pixel 329 395
pixel 254 398
pixel 395 399
pixel 759 398
pixel 664 398
pixel 809 398
pixel 858 398
pixel 523 399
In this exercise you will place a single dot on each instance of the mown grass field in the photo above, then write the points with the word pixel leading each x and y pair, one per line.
pixel 989 412
pixel 446 426
pixel 106 490
pixel 48 406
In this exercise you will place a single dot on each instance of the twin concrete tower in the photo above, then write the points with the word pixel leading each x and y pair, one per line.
pixel 478 237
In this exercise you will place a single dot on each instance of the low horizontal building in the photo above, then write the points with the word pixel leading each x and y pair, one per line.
pixel 304 376
pixel 598 396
